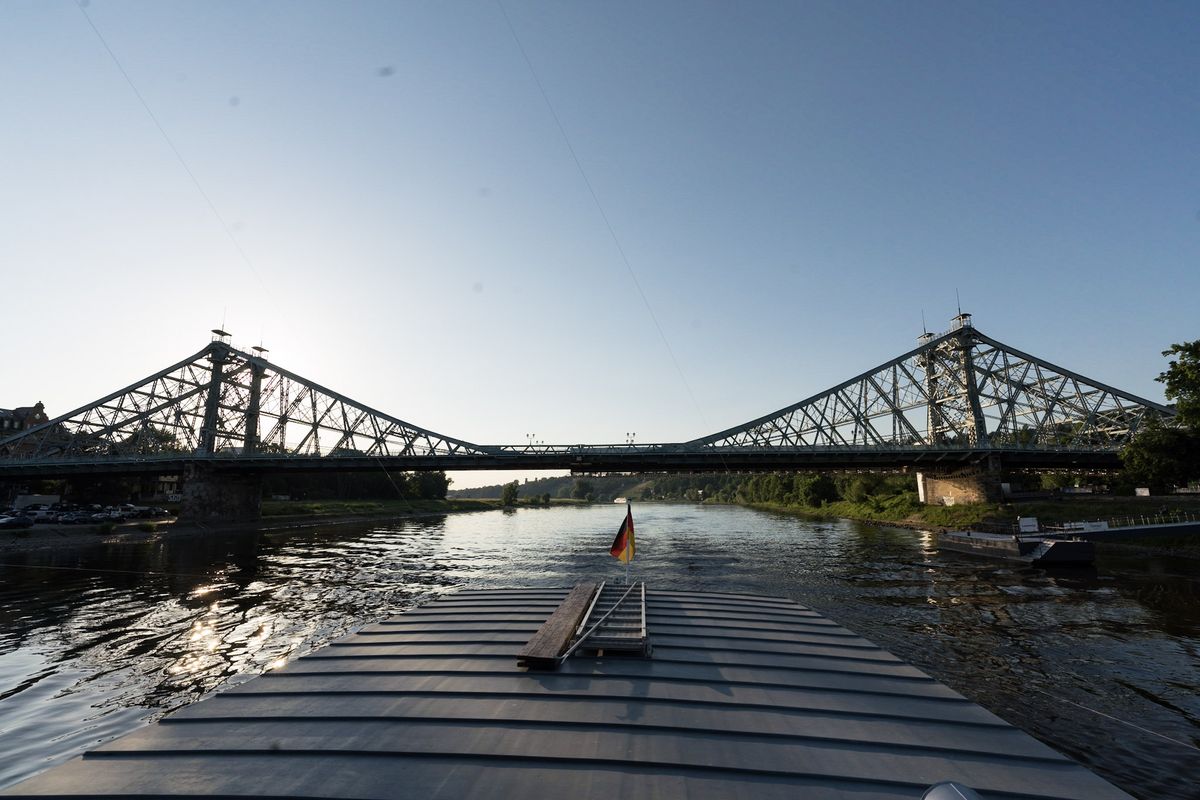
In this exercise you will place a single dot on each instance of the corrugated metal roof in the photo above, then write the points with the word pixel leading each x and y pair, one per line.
pixel 745 697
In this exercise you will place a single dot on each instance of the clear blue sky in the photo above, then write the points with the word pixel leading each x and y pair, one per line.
pixel 792 183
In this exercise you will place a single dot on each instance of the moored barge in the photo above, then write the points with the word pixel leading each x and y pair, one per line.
pixel 1035 550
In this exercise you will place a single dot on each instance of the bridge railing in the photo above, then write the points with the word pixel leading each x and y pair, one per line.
pixel 525 451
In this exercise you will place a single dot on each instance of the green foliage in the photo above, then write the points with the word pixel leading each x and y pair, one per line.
pixel 107 527
pixel 373 485
pixel 1182 379
pixel 960 516
pixel 147 527
pixel 1057 480
pixel 604 487
pixel 429 485
pixel 1161 457
pixel 537 500
pixel 857 488
pixel 583 490
pixel 508 495
pixel 816 491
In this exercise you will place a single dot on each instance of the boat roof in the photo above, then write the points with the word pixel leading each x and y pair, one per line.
pixel 744 697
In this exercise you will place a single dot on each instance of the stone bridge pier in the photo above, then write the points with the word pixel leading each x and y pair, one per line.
pixel 212 496
pixel 979 483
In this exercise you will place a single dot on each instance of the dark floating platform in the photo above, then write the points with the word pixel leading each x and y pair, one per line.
pixel 1035 550
pixel 743 697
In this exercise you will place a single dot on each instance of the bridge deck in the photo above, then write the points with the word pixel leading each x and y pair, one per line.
pixel 745 697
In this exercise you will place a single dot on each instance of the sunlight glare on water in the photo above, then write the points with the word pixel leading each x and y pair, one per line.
pixel 91 646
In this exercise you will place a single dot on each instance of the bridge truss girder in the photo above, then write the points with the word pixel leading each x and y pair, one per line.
pixel 220 403
pixel 955 399
pixel 958 390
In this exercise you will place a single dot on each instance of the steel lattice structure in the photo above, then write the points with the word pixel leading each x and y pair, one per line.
pixel 961 390
pixel 225 403
pixel 958 397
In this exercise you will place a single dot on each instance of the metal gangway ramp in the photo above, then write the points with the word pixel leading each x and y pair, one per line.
pixel 598 619
pixel 615 622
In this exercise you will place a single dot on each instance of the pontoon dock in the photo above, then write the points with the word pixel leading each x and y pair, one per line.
pixel 743 697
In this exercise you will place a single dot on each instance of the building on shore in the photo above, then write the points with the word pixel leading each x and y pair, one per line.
pixel 15 420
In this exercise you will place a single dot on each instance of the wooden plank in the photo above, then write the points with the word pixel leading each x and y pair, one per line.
pixel 542 651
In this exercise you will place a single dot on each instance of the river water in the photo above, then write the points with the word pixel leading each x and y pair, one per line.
pixel 1102 664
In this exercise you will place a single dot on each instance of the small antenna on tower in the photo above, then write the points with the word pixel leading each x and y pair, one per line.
pixel 924 327
pixel 957 301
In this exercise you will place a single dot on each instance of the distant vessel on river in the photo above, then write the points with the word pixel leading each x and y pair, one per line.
pixel 1035 550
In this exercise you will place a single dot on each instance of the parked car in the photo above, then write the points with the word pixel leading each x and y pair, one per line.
pixel 19 521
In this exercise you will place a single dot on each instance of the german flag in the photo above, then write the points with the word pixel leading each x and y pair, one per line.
pixel 623 547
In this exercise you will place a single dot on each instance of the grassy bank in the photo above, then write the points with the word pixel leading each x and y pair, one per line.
pixel 904 510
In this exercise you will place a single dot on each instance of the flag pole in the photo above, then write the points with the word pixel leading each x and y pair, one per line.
pixel 623 546
pixel 629 511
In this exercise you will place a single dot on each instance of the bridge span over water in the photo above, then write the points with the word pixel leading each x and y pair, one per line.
pixel 957 408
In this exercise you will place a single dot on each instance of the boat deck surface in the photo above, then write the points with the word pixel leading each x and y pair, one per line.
pixel 744 697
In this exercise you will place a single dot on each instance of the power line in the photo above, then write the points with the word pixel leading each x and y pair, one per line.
pixel 600 207
pixel 1061 699
pixel 171 144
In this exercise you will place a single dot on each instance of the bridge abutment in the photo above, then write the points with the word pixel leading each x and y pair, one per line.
pixel 979 484
pixel 215 497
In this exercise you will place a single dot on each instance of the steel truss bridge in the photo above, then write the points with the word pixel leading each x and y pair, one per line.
pixel 957 399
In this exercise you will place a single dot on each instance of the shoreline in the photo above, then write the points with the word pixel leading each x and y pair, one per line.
pixel 42 538
pixel 66 537
pixel 1181 544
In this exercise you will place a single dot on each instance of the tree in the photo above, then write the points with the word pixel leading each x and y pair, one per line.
pixel 815 490
pixel 1165 455
pixel 1182 380
pixel 508 495
pixel 430 485
pixel 1161 457
pixel 582 490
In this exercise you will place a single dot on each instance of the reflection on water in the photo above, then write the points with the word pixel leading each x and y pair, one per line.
pixel 94 642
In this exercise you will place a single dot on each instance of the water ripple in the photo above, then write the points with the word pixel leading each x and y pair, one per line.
pixel 121 634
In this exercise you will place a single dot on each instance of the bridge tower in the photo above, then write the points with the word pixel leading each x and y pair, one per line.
pixel 208 495
pixel 955 417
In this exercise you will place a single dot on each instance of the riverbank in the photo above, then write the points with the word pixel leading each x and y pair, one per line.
pixel 277 516
pixel 897 512
pixel 113 634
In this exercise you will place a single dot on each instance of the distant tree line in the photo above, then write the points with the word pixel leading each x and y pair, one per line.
pixel 592 488
pixel 807 489
pixel 376 485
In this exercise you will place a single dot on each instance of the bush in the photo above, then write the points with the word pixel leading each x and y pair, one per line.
pixel 148 527
pixel 819 491
pixel 107 527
